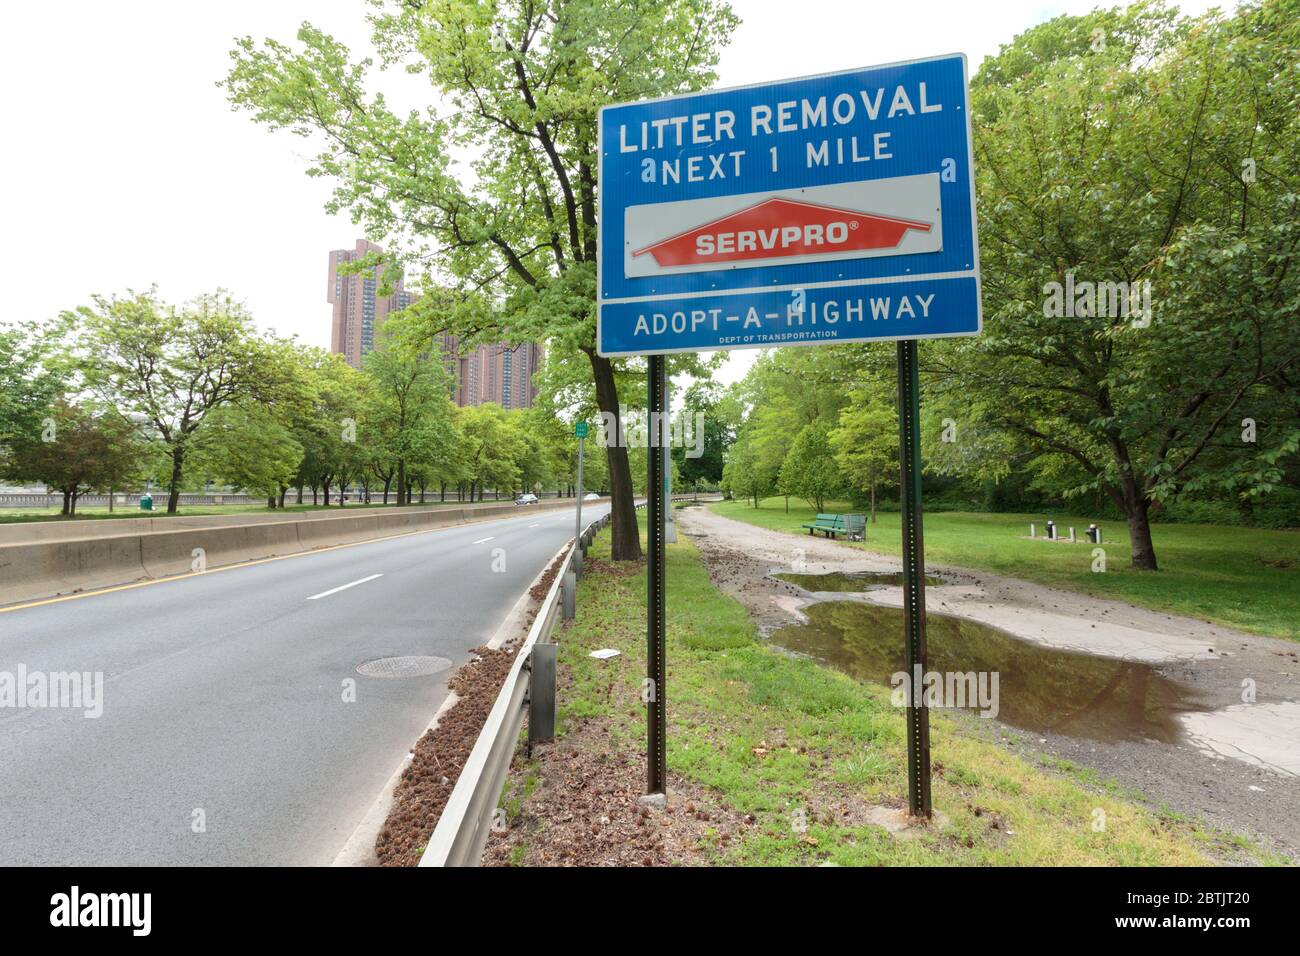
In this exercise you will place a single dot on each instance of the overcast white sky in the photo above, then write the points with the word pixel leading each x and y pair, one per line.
pixel 124 166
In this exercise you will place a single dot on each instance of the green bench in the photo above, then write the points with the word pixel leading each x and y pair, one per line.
pixel 854 526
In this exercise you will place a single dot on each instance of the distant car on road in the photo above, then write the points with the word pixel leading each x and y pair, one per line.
pixel 528 499
pixel 591 496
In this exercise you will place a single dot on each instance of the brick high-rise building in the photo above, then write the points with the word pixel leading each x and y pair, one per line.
pixel 491 373
pixel 359 309
pixel 499 373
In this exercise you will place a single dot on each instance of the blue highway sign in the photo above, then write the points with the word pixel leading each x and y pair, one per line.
pixel 836 208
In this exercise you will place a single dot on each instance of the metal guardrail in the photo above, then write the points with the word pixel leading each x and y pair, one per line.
pixel 466 821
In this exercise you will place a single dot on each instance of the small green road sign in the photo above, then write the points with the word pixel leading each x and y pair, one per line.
pixel 580 429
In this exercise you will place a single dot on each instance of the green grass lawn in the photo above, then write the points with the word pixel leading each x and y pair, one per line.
pixel 792 742
pixel 1241 577
pixel 20 515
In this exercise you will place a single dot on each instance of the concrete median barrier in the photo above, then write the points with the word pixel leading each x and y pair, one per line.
pixel 27 532
pixel 46 563
pixel 164 553
pixel 45 569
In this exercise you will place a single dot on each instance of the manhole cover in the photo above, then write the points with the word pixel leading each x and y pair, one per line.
pixel 403 666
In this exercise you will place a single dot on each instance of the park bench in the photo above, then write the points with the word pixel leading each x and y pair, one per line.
pixel 828 524
pixel 854 526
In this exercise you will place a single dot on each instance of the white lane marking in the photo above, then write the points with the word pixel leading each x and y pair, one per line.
pixel 481 540
pixel 534 525
pixel 343 587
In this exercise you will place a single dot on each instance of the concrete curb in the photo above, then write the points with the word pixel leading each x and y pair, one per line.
pixel 359 850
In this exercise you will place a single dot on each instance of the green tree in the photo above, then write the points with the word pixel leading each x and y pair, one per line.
pixel 706 432
pixel 1133 146
pixel 249 447
pixel 784 391
pixel 409 414
pixel 521 82
pixel 78 449
pixel 810 470
pixel 545 439
pixel 865 444
pixel 494 448
pixel 175 366
pixel 745 474
pixel 337 395
pixel 27 387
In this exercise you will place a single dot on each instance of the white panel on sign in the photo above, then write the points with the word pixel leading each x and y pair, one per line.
pixel 876 217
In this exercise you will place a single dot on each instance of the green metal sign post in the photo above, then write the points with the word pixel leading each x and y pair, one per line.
pixel 580 430
pixel 909 448
pixel 656 508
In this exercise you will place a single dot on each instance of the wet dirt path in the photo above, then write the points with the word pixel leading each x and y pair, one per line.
pixel 1168 722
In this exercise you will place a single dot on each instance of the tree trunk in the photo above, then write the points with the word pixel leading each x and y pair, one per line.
pixel 174 490
pixel 387 482
pixel 300 494
pixel 626 536
pixel 873 502
pixel 402 497
pixel 67 503
pixel 1142 553
pixel 284 490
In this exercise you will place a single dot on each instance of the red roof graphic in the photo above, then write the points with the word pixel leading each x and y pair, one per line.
pixel 779 228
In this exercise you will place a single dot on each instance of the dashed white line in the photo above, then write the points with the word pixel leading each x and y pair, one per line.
pixel 481 540
pixel 535 525
pixel 343 587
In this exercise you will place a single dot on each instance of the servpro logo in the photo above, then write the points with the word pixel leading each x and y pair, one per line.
pixel 779 228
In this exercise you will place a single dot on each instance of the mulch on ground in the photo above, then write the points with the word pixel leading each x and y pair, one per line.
pixel 585 812
pixel 440 755
pixel 585 809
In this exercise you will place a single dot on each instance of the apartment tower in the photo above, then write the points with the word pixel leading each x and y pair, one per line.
pixel 358 308
pixel 497 373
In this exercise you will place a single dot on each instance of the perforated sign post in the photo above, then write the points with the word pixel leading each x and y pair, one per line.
pixel 816 211
pixel 580 431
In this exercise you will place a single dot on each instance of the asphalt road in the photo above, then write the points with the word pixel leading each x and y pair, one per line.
pixel 223 697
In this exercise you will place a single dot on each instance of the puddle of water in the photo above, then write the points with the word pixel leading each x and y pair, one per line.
pixel 1040 688
pixel 851 580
